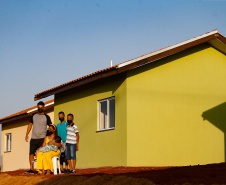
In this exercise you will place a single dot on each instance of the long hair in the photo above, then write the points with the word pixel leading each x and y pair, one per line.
pixel 54 132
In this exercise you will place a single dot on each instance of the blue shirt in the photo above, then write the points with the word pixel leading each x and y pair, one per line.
pixel 62 130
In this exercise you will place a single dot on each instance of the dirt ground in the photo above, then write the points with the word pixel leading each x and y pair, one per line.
pixel 188 175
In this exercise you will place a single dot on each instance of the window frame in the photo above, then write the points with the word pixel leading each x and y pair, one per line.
pixel 108 112
pixel 8 142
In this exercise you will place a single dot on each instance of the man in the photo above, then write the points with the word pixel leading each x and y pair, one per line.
pixel 72 142
pixel 39 122
pixel 62 132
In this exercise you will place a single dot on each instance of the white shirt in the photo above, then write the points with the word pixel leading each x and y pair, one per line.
pixel 71 134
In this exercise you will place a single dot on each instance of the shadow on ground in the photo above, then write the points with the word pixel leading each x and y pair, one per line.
pixel 206 174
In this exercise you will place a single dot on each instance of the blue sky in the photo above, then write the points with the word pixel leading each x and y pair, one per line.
pixel 44 43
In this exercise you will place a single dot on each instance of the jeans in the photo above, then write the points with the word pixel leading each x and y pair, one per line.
pixel 70 151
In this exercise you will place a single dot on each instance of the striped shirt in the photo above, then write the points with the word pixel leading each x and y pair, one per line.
pixel 71 134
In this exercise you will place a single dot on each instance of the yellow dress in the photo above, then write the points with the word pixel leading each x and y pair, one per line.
pixel 44 160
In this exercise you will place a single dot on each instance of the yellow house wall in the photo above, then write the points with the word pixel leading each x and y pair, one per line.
pixel 105 148
pixel 166 102
pixel 18 158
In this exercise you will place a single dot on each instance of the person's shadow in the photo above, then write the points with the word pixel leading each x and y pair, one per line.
pixel 217 116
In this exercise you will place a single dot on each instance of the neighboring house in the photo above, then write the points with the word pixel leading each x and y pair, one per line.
pixel 14 148
pixel 166 108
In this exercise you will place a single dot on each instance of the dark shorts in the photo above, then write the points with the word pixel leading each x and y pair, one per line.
pixel 63 158
pixel 35 144
pixel 70 151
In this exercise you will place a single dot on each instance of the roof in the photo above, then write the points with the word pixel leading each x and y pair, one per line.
pixel 25 113
pixel 215 38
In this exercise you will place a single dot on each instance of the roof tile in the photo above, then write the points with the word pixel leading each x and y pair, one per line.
pixel 110 68
pixel 24 111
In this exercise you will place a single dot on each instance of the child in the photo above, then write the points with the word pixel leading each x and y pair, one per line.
pixel 72 142
pixel 62 132
pixel 48 148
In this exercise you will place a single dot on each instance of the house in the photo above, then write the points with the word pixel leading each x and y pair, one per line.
pixel 165 108
pixel 14 148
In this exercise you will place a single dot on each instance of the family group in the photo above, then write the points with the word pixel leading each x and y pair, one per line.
pixel 61 141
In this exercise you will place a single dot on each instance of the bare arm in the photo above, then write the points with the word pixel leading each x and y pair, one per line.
pixel 54 143
pixel 44 142
pixel 77 135
pixel 28 131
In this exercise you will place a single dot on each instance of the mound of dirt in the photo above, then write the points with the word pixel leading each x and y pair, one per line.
pixel 5 178
pixel 201 174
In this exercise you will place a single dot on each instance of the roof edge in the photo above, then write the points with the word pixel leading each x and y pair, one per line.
pixel 24 113
pixel 168 48
pixel 96 75
pixel 32 110
pixel 125 66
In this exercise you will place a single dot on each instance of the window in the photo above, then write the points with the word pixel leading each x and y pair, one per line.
pixel 107 113
pixel 8 140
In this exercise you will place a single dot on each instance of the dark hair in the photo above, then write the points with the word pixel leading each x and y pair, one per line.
pixel 61 112
pixel 58 139
pixel 41 103
pixel 70 115
pixel 55 132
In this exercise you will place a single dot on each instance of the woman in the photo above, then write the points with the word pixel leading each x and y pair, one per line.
pixel 44 160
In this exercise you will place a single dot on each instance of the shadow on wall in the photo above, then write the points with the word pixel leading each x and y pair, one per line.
pixel 217 116
pixel 1 167
pixel 111 83
pixel 0 147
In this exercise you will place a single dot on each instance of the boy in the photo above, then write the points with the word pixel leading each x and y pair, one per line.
pixel 72 142
pixel 62 132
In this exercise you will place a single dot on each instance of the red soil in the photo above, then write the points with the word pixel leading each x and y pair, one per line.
pixel 202 174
